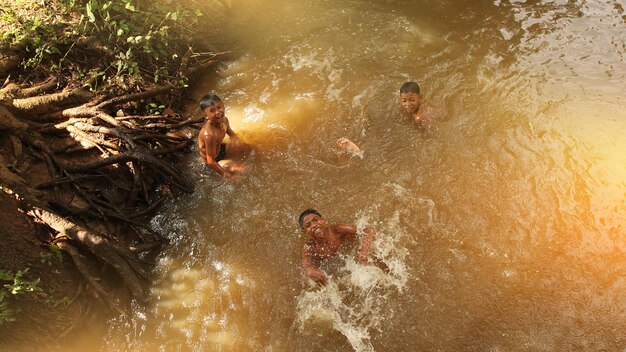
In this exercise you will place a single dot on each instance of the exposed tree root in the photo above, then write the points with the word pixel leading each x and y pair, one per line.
pixel 112 185
pixel 55 101
pixel 90 277
pixel 98 245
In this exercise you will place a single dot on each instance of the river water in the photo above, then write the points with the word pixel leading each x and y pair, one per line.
pixel 503 230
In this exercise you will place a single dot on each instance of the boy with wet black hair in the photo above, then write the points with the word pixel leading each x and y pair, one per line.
pixel 323 241
pixel 213 151
pixel 414 105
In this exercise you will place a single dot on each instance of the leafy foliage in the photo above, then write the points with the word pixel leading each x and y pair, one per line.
pixel 53 254
pixel 17 285
pixel 108 44
pixel 37 34
pixel 148 41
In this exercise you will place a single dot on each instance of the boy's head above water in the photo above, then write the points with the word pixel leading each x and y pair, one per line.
pixel 208 100
pixel 212 108
pixel 410 87
pixel 304 215
pixel 410 97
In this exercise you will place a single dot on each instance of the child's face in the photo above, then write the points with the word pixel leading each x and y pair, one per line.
pixel 214 112
pixel 410 102
pixel 313 225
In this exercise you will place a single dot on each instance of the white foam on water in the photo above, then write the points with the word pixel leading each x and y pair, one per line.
pixel 322 66
pixel 432 211
pixel 253 113
pixel 355 300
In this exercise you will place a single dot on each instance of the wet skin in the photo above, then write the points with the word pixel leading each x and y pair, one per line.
pixel 211 137
pixel 410 102
pixel 323 241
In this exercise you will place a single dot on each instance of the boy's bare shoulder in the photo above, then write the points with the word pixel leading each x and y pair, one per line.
pixel 203 134
pixel 343 228
pixel 433 112
pixel 207 130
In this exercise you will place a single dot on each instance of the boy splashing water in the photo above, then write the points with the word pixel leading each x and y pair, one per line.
pixel 323 241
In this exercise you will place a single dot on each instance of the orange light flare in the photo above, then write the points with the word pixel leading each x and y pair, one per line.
pixel 599 127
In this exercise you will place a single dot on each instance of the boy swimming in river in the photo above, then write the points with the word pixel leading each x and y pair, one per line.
pixel 414 105
pixel 323 241
pixel 213 150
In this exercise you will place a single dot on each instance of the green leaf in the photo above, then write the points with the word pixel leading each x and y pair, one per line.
pixel 90 14
pixel 6 275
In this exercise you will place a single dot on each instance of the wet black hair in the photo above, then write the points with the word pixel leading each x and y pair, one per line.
pixel 208 100
pixel 410 87
pixel 305 213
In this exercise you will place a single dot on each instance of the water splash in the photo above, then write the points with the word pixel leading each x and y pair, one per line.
pixel 353 303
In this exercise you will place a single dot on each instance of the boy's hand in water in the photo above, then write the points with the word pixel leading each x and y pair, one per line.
pixel 379 263
pixel 318 276
pixel 348 146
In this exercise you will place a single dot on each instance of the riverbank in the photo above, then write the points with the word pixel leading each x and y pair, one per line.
pixel 90 133
pixel 51 314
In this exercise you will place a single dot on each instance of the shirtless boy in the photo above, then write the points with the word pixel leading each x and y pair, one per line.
pixel 213 150
pixel 323 241
pixel 414 105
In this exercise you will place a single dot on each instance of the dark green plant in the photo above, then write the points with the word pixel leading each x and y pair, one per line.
pixel 53 254
pixel 14 285
pixel 148 42
pixel 105 44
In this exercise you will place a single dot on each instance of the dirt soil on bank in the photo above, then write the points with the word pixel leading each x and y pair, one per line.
pixel 44 320
pixel 58 314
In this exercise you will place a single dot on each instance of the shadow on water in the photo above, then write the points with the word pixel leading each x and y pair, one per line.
pixel 503 230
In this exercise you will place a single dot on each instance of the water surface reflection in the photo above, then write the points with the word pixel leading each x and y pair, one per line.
pixel 507 225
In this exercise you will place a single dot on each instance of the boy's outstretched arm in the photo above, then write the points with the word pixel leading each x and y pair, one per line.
pixel 309 270
pixel 231 133
pixel 365 244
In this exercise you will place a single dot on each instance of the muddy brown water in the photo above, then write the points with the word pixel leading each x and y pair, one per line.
pixel 503 231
